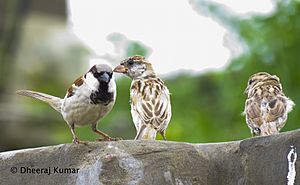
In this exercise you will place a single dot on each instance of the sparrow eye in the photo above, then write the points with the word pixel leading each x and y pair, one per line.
pixel 250 82
pixel 130 62
pixel 96 75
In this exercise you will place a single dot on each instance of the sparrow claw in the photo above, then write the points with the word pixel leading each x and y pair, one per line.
pixel 116 139
pixel 77 141
pixel 104 139
pixel 109 139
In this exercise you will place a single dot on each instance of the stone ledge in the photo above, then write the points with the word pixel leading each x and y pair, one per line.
pixel 261 160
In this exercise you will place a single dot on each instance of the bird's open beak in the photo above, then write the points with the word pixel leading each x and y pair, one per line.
pixel 120 69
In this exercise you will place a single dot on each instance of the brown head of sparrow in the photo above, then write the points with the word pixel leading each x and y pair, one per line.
pixel 266 107
pixel 149 98
pixel 87 100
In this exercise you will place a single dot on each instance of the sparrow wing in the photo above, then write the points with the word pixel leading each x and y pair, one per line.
pixel 150 100
pixel 73 88
pixel 277 111
pixel 253 113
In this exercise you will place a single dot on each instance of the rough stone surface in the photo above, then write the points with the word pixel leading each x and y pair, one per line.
pixel 261 161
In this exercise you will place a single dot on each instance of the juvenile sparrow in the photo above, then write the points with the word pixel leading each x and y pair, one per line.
pixel 149 98
pixel 266 107
pixel 87 101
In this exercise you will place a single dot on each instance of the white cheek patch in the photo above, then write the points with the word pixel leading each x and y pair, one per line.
pixel 141 69
pixel 91 81
pixel 112 85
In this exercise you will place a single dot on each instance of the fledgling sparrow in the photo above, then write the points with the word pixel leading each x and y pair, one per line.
pixel 87 101
pixel 266 107
pixel 149 98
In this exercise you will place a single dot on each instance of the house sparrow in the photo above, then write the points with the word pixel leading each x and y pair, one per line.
pixel 87 101
pixel 266 107
pixel 149 98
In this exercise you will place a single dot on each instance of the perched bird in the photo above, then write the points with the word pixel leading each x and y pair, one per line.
pixel 87 101
pixel 266 107
pixel 149 98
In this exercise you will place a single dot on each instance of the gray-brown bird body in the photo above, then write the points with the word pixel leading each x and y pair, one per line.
pixel 266 107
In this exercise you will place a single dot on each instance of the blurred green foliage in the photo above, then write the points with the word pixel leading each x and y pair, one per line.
pixel 137 49
pixel 207 107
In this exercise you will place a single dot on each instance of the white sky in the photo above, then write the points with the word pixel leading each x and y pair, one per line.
pixel 178 36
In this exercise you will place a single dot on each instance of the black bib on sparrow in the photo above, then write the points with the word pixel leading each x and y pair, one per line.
pixel 102 95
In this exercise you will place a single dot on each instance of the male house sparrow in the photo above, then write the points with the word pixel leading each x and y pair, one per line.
pixel 87 101
pixel 149 98
pixel 266 107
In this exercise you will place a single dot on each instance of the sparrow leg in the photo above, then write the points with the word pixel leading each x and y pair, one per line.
pixel 75 139
pixel 163 134
pixel 139 133
pixel 105 136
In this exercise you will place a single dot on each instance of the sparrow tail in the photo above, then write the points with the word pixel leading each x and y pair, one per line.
pixel 269 129
pixel 146 132
pixel 53 101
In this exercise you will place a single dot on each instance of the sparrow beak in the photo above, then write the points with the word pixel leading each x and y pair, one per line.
pixel 104 77
pixel 120 69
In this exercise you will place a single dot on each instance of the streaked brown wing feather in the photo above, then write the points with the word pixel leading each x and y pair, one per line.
pixel 77 83
pixel 149 101
pixel 253 112
pixel 277 108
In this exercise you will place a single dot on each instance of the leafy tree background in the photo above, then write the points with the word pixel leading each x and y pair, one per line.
pixel 206 107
